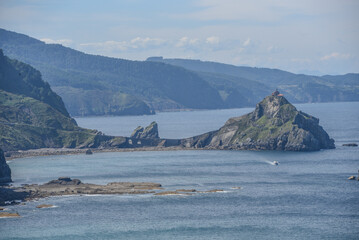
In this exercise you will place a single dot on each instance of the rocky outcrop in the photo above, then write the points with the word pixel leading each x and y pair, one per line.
pixel 5 172
pixel 88 152
pixel 8 215
pixel 275 124
pixel 350 145
pixel 150 132
pixel 67 186
pixel 45 206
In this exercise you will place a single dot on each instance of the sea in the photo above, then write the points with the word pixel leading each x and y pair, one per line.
pixel 307 196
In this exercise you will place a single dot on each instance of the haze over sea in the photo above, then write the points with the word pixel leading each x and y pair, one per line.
pixel 307 196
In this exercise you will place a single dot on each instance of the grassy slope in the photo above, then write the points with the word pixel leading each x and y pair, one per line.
pixel 31 115
pixel 27 123
pixel 161 86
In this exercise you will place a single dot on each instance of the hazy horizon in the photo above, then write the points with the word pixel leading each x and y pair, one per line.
pixel 307 37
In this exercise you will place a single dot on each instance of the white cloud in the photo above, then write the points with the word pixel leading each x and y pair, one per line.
pixel 212 40
pixel 186 41
pixel 108 45
pixel 135 43
pixel 64 42
pixel 146 42
pixel 247 42
pixel 335 55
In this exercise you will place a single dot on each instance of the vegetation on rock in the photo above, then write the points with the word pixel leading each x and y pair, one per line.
pixel 32 115
pixel 275 124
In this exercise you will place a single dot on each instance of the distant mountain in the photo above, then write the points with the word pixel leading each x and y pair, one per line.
pixel 298 88
pixel 32 115
pixel 96 85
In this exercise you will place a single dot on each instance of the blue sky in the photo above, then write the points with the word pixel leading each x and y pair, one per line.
pixel 318 37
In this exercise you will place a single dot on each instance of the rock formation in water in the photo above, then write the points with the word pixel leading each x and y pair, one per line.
pixel 275 124
pixel 151 131
pixel 5 172
pixel 67 186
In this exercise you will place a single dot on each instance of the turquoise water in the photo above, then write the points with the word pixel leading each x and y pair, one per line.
pixel 307 196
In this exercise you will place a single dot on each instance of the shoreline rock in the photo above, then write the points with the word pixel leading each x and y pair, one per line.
pixel 9 215
pixel 169 193
pixel 350 145
pixel 212 191
pixel 45 206
pixel 88 152
pixel 67 186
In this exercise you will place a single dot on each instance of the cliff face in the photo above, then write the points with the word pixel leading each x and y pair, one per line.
pixel 5 172
pixel 33 116
pixel 151 131
pixel 275 124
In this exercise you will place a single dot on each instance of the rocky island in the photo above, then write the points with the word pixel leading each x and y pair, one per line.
pixel 275 124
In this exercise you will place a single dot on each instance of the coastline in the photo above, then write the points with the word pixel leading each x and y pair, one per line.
pixel 74 151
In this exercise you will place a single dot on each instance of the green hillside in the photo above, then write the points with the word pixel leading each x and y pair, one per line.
pixel 32 115
pixel 118 86
pixel 298 88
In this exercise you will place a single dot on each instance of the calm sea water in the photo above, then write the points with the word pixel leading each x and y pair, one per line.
pixel 307 196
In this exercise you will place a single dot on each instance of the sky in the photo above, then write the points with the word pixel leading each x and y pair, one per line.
pixel 309 36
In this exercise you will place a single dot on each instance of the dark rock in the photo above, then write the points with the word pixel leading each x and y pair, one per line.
pixel 64 181
pixel 137 132
pixel 5 172
pixel 88 152
pixel 10 195
pixel 150 132
pixel 350 145
pixel 275 124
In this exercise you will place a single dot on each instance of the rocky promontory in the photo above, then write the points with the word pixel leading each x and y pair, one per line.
pixel 275 124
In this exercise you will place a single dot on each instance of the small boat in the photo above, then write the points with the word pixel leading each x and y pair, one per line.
pixel 275 163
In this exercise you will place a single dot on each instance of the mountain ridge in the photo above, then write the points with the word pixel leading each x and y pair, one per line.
pixel 157 85
pixel 298 88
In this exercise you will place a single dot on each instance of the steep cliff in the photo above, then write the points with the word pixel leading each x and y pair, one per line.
pixel 275 124
pixel 5 172
pixel 32 115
